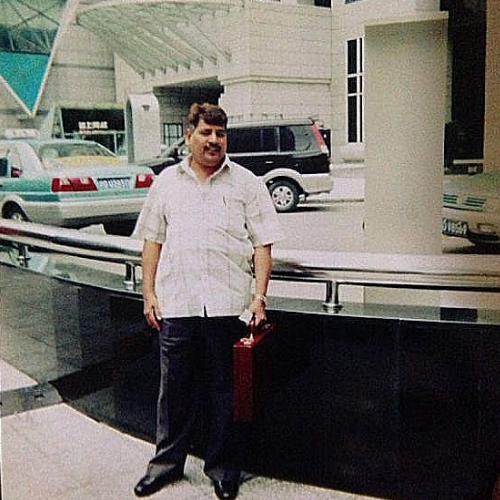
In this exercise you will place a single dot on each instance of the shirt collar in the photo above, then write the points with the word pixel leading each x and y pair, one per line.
pixel 186 169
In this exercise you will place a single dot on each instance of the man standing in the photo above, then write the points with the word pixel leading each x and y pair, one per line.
pixel 205 221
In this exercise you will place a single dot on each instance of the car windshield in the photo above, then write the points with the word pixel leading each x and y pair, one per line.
pixel 56 154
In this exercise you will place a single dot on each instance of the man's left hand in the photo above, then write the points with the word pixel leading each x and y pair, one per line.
pixel 258 310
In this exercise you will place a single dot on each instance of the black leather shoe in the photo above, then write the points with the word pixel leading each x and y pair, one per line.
pixel 226 490
pixel 149 484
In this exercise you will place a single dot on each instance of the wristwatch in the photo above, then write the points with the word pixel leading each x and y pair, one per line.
pixel 261 297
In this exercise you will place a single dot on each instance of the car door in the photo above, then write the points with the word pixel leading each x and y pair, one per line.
pixel 15 188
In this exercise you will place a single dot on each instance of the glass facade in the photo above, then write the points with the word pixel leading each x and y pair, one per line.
pixel 27 34
pixel 29 27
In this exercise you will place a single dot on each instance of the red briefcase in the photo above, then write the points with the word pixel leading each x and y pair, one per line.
pixel 244 376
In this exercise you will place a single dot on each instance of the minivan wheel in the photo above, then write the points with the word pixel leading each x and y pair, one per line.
pixel 285 195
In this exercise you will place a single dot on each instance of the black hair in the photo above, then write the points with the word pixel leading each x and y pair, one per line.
pixel 209 113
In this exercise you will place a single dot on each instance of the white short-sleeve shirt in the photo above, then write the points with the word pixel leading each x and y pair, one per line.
pixel 207 231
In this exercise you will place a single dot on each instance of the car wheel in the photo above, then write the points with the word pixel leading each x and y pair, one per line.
pixel 15 213
pixel 124 228
pixel 285 195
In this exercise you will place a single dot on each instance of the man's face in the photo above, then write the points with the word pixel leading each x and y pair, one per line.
pixel 207 144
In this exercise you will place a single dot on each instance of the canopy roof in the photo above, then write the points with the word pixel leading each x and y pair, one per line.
pixel 156 35
pixel 29 31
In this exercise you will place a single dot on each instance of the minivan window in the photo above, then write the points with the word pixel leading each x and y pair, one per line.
pixel 269 139
pixel 251 140
pixel 295 138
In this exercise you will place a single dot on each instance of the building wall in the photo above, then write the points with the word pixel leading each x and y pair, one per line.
pixel 287 59
pixel 257 100
pixel 290 42
pixel 285 64
pixel 11 115
pixel 128 81
pixel 82 71
pixel 279 65
pixel 348 23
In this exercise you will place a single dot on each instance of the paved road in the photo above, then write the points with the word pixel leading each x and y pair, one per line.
pixel 324 225
pixel 337 226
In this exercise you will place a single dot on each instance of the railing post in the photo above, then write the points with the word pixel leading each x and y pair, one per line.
pixel 130 281
pixel 332 302
pixel 23 255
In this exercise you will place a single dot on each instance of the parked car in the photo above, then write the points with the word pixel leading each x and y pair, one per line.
pixel 172 155
pixel 471 208
pixel 290 155
pixel 70 183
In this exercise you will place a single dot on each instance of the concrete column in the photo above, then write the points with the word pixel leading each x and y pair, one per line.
pixel 405 94
pixel 142 125
pixel 492 89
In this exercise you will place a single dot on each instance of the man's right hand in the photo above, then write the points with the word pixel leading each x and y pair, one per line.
pixel 152 311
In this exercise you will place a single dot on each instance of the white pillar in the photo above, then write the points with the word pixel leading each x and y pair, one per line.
pixel 405 93
pixel 142 126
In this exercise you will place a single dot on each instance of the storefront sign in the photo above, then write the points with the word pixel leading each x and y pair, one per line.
pixel 90 126
pixel 91 120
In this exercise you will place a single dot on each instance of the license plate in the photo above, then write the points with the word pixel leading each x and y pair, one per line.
pixel 113 183
pixel 455 228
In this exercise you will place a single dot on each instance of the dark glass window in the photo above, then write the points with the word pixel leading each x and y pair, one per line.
pixel 352 85
pixel 251 140
pixel 243 140
pixel 35 41
pixel 29 26
pixel 172 133
pixel 360 55
pixel 355 90
pixel 295 138
pixel 352 119
pixel 351 57
pixel 269 139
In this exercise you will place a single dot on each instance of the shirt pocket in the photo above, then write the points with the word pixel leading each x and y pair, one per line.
pixel 233 214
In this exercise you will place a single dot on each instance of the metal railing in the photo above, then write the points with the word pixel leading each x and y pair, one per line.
pixel 334 269
pixel 101 247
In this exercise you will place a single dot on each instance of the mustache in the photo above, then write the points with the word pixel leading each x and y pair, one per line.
pixel 213 147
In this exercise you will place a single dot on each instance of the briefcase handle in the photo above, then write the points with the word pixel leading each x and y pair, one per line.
pixel 254 330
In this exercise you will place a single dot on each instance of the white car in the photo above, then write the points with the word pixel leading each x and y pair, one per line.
pixel 70 183
pixel 471 208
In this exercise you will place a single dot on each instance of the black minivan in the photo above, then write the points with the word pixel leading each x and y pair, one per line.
pixel 290 155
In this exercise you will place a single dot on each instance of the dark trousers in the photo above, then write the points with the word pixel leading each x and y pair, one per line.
pixel 196 371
